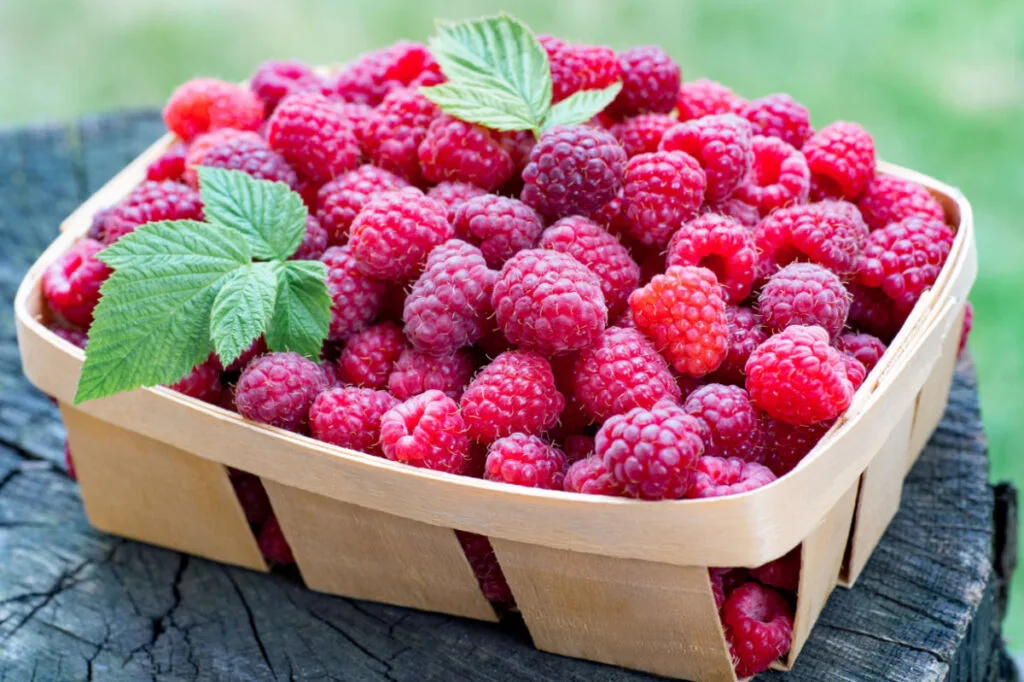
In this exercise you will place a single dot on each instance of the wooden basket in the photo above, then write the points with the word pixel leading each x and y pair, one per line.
pixel 608 579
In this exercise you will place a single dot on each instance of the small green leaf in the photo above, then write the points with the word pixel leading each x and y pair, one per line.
pixel 302 314
pixel 581 106
pixel 242 309
pixel 487 107
pixel 269 214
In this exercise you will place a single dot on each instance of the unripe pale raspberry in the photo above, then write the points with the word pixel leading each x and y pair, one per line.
pixel 865 348
pixel 888 199
pixel 661 191
pixel 392 235
pixel 457 151
pixel 721 477
pixel 650 82
pixel 71 285
pixel 515 393
pixel 829 233
pixel 590 477
pixel 426 431
pixel 806 294
pixel 779 116
pixel 906 258
pixel 733 427
pixel 417 372
pixel 370 355
pixel 340 200
pixel 276 79
pixel 202 383
pixel 642 134
pixel 392 137
pixel 278 388
pixel 350 417
pixel 525 460
pixel 745 334
pixel 356 298
pixel 722 145
pixel 205 104
pixel 778 176
pixel 703 97
pixel 314 136
pixel 721 245
pixel 500 226
pixel 841 157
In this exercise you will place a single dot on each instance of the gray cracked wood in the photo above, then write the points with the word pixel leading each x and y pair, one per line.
pixel 76 604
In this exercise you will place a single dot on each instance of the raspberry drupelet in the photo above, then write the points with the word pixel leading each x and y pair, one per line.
pixel 314 136
pixel 456 151
pixel 661 191
pixel 205 104
pixel 500 226
pixel 721 144
pixel 732 423
pixel 426 431
pixel 395 231
pixel 778 176
pixel 721 245
pixel 278 388
pixel 416 372
pixel 350 417
pixel 369 356
pixel 807 294
pixel 779 116
pixel 340 200
pixel 525 460
pixel 71 285
pixel 356 298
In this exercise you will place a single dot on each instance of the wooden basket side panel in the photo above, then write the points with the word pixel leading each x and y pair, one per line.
pixel 931 401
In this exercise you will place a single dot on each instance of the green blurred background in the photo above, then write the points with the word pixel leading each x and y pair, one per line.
pixel 939 84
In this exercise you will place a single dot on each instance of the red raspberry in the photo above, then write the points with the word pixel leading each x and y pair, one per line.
pixel 829 233
pixel 642 134
pixel 841 157
pixel 202 383
pixel 392 138
pixel 721 245
pixel 590 477
pixel 356 297
pixel 789 444
pixel 865 348
pixel 151 202
pixel 650 82
pixel 601 253
pixel 778 176
pixel 373 75
pixel 252 496
pixel 721 477
pixel 612 217
pixel 314 242
pixel 525 460
pixel 314 136
pixel 170 165
pixel 500 226
pixel 721 144
pixel 783 573
pixel 577 67
pixel 651 452
pixel 485 567
pixel 72 283
pixel 358 116
pixel 548 302
pixel 75 337
pixel 745 334
pixel 622 370
pixel 515 393
pixel 204 104
pixel 426 431
pixel 573 170
pixel 662 191
pixel 370 355
pixel 759 626
pixel 889 199
pixel 458 151
pixel 806 294
pixel 98 226
pixel 733 427
pixel 395 231
pixel 855 370
pixel 276 79
pixel 278 388
pixel 341 199
pixel 196 152
pixel 779 116
pixel 874 312
pixel 905 258
pixel 965 328
pixel 683 312
pixel 273 545
pixel 249 154
pixel 518 144
pixel 350 417
pixel 796 377
pixel 704 97
pixel 740 211
pixel 417 372
pixel 577 447
pixel 454 194
pixel 447 307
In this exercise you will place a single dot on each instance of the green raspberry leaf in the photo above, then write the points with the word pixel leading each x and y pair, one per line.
pixel 302 314
pixel 269 214
pixel 243 308
pixel 477 105
pixel 581 106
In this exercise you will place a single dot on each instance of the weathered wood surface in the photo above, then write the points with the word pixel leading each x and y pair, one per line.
pixel 76 604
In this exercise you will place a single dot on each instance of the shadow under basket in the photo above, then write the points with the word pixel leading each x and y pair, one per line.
pixel 607 579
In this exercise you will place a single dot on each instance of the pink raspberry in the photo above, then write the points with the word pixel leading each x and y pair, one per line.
pixel 855 370
pixel 874 312
pixel 340 200
pixel 370 355
pixel 740 211
pixel 151 202
pixel 745 334
pixel 661 191
pixel 350 417
pixel 525 460
pixel 392 235
pixel 252 496
pixel 601 253
pixel 577 447
pixel 195 155
pixel 721 144
pixel 250 155
pixel 356 298
pixel 721 477
pixel 622 370
pixel 806 294
pixel 865 348
pixel 778 176
pixel 314 242
pixel 651 452
pixel 453 194
pixel 797 377
pixel 500 226
pixel 782 573
pixel 202 383
pixel 392 138
pixel 515 393
pixel 841 157
pixel 447 307
pixel 779 116
pixel 888 199
pixel 314 136
pixel 721 245
pixel 650 82
pixel 703 97
pixel 485 567
pixel 733 427
pixel 590 477
pixel 205 104
pixel 416 372
pixel 75 337
pixel 573 170
pixel 371 76
pixel 576 67
pixel 759 627
pixel 426 431
pixel 278 388
pixel 358 117
pixel 457 151
pixel 548 302
pixel 642 134
pixel 683 312
pixel 276 79
pixel 71 285
pixel 273 545
pixel 905 258
pixel 789 444
pixel 170 165
pixel 829 233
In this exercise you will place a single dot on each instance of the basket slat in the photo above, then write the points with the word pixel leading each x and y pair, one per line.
pixel 931 401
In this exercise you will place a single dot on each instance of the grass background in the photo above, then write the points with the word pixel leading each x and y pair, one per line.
pixel 940 84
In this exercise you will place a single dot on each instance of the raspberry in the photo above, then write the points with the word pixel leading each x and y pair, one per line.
pixel 889 199
pixel 796 377
pixel 454 194
pixel 601 253
pixel 370 355
pixel 829 233
pixel 314 242
pixel 905 258
pixel 778 176
pixel 590 477
pixel 356 298
pixel 661 191
pixel 485 567
pixel 855 371
pixel 525 460
pixel 759 626
pixel 515 393
pixel 340 200
pixel 168 166
pixel 683 312
pixel 314 136
pixel 865 348
pixel 373 75
pixel 788 444
pixel 358 116
pixel 721 245
pixel 745 334
pixel 577 447
pixel 740 211
pixel 350 417
pixel 72 283
pixel 150 202
pixel 274 80
pixel 500 226
pixel 273 545
pixel 642 134
pixel 450 301
pixel 577 67
pixel 548 302
pixel 965 328
pixel 252 496
pixel 202 383
pixel 278 388
pixel 518 144
pixel 874 312
pixel 417 372
pixel 73 336
pixel 612 216
pixel 779 116
pixel 457 151
pixel 782 573
pixel 196 153
pixel 392 138
pixel 841 157
pixel 721 144
pixel 392 235
pixel 249 154
pixel 622 370
pixel 98 226
pixel 426 431
pixel 573 170
pixel 806 294
pixel 732 423
pixel 717 586
pixel 651 452
pixel 704 97
pixel 721 477
pixel 205 104
pixel 69 463
pixel 650 82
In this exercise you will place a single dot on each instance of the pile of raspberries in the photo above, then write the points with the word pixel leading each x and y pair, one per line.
pixel 675 300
